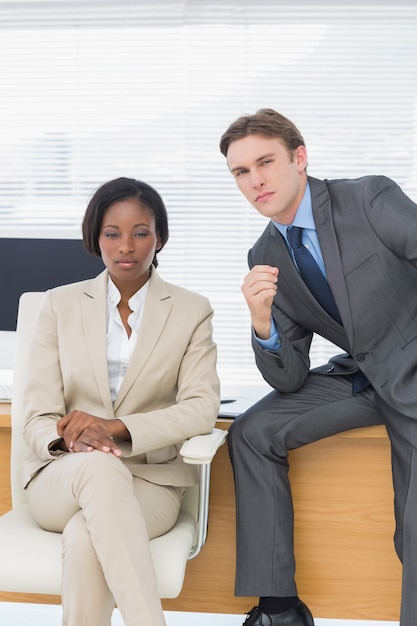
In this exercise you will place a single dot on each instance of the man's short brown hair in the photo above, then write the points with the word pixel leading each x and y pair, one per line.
pixel 264 122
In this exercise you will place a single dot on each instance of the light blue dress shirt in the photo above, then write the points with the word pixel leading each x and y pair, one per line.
pixel 304 219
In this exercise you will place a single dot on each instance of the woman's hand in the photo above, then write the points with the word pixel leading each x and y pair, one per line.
pixel 83 432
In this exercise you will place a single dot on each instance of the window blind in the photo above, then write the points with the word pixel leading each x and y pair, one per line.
pixel 95 90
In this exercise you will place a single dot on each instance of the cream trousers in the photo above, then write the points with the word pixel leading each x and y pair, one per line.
pixel 107 517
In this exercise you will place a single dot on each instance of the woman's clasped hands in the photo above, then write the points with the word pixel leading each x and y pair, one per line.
pixel 83 432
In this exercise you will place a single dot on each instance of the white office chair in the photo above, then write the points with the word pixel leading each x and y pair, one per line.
pixel 30 557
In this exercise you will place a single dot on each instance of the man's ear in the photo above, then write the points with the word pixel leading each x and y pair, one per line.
pixel 301 157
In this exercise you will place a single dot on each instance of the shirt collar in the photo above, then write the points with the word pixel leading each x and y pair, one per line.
pixel 304 216
pixel 135 302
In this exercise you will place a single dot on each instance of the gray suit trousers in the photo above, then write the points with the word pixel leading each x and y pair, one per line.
pixel 259 441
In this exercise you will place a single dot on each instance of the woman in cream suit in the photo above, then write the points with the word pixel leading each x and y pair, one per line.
pixel 122 370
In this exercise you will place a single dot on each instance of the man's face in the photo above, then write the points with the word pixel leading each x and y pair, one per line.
pixel 271 179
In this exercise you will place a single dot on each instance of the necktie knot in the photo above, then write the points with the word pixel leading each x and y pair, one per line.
pixel 294 234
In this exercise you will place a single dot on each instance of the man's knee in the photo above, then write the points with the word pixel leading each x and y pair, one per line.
pixel 241 427
pixel 250 430
pixel 267 427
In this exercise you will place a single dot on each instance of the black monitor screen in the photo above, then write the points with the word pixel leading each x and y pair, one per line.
pixel 37 265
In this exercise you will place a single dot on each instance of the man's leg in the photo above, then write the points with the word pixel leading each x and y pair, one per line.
pixel 259 441
pixel 402 431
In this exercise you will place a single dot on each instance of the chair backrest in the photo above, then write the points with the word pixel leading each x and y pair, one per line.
pixel 29 305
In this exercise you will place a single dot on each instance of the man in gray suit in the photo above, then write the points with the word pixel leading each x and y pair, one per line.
pixel 361 236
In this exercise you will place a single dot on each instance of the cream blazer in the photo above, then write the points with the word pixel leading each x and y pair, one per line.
pixel 170 392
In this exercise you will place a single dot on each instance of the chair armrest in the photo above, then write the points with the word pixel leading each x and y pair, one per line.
pixel 200 450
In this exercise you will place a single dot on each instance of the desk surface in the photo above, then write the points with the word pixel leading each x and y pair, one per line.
pixel 5 410
pixel 370 432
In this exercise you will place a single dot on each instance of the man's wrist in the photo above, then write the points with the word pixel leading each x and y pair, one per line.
pixel 262 331
pixel 273 341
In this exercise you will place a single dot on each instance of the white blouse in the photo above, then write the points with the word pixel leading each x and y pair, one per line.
pixel 119 345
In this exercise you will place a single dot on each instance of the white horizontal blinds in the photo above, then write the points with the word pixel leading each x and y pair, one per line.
pixel 95 90
pixel 85 87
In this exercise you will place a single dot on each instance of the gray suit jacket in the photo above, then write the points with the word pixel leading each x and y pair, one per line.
pixel 367 229
pixel 170 391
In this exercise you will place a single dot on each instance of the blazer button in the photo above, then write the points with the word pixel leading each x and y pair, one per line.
pixel 360 357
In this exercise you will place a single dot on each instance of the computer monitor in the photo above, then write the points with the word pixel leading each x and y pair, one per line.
pixel 37 265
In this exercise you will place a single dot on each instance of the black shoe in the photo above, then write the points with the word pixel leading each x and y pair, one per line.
pixel 298 615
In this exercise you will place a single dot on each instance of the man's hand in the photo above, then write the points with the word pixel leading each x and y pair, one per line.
pixel 259 289
pixel 83 432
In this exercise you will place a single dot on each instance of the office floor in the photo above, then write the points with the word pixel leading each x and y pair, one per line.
pixel 14 614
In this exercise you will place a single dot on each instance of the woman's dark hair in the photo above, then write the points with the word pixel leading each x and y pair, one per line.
pixel 115 191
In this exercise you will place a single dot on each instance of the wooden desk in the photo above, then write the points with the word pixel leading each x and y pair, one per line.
pixel 5 408
pixel 344 523
pixel 5 498
pixel 343 499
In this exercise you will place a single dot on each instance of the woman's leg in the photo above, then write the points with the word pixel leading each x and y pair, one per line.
pixel 91 496
pixel 86 597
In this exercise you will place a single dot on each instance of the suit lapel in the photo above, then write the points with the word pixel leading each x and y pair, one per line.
pixel 94 317
pixel 303 306
pixel 322 212
pixel 294 297
pixel 156 312
pixel 289 279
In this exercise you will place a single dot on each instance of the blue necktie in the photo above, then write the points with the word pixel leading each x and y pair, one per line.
pixel 311 273
pixel 319 287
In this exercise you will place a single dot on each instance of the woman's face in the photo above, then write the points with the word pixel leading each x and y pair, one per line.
pixel 128 241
